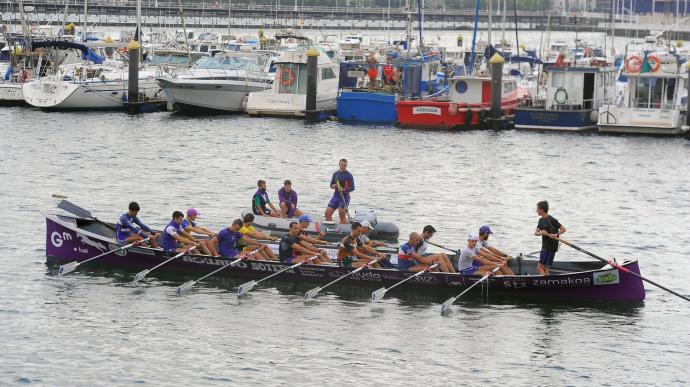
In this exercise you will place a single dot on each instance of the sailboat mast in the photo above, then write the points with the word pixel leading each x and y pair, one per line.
pixel 474 35
pixel 86 20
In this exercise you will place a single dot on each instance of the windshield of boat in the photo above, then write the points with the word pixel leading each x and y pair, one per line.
pixel 232 63
pixel 170 59
pixel 653 93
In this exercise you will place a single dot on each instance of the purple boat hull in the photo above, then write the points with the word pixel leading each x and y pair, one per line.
pixel 68 241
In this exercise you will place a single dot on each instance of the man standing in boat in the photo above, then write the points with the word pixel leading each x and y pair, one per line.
pixel 260 200
pixel 126 232
pixel 343 183
pixel 549 229
pixel 287 198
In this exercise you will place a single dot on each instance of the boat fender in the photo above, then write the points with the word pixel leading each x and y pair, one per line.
pixel 468 116
pixel 453 109
pixel 560 96
pixel 594 116
pixel 483 114
pixel 633 64
pixel 654 59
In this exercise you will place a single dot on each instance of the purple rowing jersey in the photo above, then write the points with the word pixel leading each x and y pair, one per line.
pixel 125 227
pixel 347 182
pixel 289 198
pixel 186 223
pixel 171 230
pixel 227 242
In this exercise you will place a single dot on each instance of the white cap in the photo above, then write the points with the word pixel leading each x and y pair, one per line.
pixel 472 237
pixel 365 223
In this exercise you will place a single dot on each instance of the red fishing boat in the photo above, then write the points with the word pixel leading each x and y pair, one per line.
pixel 466 106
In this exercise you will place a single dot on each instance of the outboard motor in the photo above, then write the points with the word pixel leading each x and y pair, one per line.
pixel 362 214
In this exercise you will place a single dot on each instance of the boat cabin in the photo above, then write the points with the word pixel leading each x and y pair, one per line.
pixel 576 88
pixel 654 82
pixel 471 90
pixel 291 72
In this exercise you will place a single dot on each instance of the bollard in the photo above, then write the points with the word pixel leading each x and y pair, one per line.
pixel 312 78
pixel 133 80
pixel 496 63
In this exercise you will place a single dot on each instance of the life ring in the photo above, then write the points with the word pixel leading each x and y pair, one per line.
pixel 656 60
pixel 287 77
pixel 388 72
pixel 563 93
pixel 633 64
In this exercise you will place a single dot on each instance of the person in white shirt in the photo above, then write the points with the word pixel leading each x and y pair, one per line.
pixel 471 263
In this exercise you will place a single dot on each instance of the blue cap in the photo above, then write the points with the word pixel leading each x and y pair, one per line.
pixel 305 218
pixel 485 230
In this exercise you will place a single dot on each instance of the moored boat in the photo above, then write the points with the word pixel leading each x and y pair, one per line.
pixel 71 238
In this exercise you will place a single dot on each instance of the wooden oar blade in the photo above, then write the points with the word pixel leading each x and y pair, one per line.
pixel 184 287
pixel 245 287
pixel 445 308
pixel 74 209
pixel 68 268
pixel 140 276
pixel 376 295
pixel 310 294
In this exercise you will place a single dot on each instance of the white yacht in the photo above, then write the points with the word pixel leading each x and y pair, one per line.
pixel 654 100
pixel 219 84
pixel 288 96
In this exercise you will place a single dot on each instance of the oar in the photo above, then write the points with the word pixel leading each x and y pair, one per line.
pixel 345 203
pixel 378 294
pixel 71 266
pixel 443 247
pixel 310 294
pixel 530 254
pixel 140 275
pixel 449 302
pixel 80 212
pixel 188 285
pixel 248 286
pixel 623 269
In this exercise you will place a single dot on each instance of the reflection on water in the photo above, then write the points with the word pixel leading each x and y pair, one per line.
pixel 617 195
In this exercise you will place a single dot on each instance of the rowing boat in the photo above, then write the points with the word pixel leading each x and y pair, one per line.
pixel 73 238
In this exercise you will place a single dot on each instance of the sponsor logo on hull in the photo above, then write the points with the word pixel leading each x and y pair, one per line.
pixel 426 110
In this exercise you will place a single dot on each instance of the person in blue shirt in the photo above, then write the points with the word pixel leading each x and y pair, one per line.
pixel 343 183
pixel 126 230
pixel 408 259
pixel 176 239
pixel 225 242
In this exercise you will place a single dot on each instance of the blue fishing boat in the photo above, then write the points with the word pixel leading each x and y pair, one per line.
pixel 572 99
pixel 368 92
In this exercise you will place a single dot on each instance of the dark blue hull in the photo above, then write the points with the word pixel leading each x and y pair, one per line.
pixel 546 119
pixel 367 107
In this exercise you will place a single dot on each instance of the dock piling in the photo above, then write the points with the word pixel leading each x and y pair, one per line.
pixel 311 113
pixel 133 80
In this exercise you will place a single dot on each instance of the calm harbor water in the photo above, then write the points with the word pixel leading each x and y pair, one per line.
pixel 618 196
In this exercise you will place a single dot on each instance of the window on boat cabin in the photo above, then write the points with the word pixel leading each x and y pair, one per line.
pixel 654 93
pixel 292 78
pixel 327 73
pixel 558 79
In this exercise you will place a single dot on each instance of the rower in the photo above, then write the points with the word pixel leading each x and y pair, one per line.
pixel 408 259
pixel 427 233
pixel 290 251
pixel 367 245
pixel 176 239
pixel 265 252
pixel 287 198
pixel 483 243
pixel 343 183
pixel 225 242
pixel 349 253
pixel 550 229
pixel 471 263
pixel 189 224
pixel 308 242
pixel 260 200
pixel 126 232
